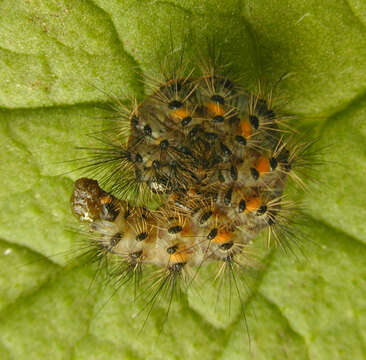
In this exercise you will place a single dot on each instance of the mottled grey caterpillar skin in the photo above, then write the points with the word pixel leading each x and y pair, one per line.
pixel 215 154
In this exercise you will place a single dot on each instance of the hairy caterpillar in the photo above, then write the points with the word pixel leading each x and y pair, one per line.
pixel 303 309
pixel 214 157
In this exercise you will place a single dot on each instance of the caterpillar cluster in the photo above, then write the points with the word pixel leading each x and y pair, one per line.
pixel 215 155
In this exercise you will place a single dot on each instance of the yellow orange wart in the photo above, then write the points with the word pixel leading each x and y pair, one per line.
pixel 246 129
pixel 223 237
pixel 253 204
pixel 180 113
pixel 262 165
pixel 215 109
pixel 180 256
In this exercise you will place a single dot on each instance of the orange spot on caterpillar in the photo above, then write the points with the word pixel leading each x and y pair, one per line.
pixel 262 165
pixel 178 254
pixel 178 257
pixel 215 109
pixel 253 204
pixel 246 129
pixel 180 113
pixel 223 237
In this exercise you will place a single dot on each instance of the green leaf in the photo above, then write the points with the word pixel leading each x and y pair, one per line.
pixel 60 58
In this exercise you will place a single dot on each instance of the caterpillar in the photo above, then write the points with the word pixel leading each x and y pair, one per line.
pixel 55 56
pixel 214 157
